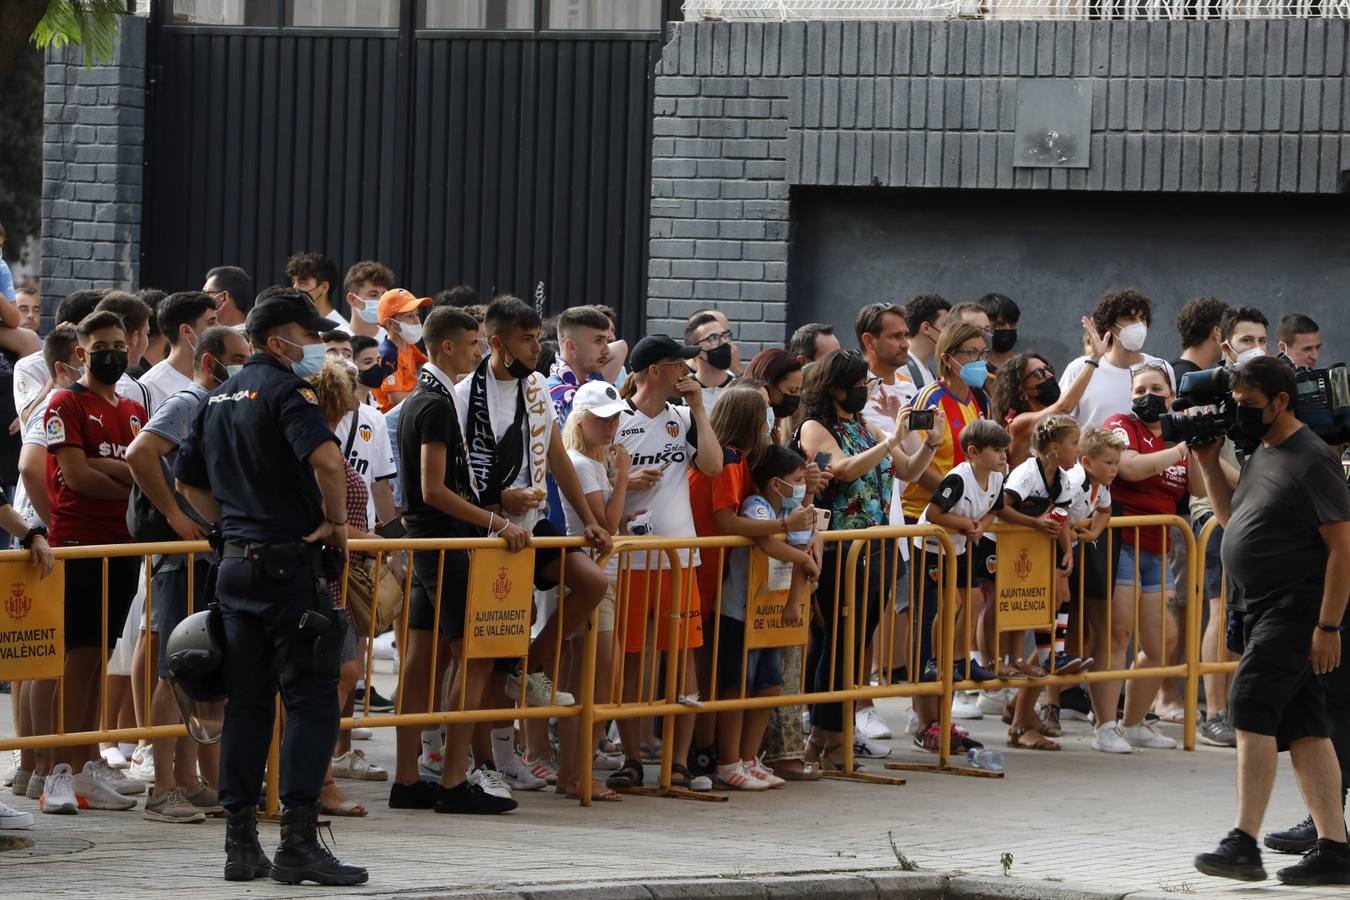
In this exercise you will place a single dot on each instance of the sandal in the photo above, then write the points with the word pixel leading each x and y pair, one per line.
pixel 628 777
pixel 598 791
pixel 808 771
pixel 1039 741
pixel 345 808
pixel 1028 669
pixel 681 777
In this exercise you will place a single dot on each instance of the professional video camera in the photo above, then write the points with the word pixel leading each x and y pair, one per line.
pixel 1322 402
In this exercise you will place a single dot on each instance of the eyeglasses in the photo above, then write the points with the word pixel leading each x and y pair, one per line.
pixel 1040 376
pixel 1151 365
pixel 715 340
pixel 971 354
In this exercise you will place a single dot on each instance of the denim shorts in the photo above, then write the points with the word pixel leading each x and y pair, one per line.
pixel 1213 564
pixel 1153 569
pixel 764 667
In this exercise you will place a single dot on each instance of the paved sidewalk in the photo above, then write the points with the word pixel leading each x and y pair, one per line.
pixel 1077 818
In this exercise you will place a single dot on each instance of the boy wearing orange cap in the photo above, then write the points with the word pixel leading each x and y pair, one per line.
pixel 398 351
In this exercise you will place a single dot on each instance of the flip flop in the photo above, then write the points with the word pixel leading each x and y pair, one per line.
pixel 599 791
pixel 346 809
pixel 629 776
pixel 1041 742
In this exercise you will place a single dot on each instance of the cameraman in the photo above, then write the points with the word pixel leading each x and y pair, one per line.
pixel 1286 546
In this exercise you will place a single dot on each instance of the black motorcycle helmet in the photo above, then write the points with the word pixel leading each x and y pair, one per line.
pixel 196 652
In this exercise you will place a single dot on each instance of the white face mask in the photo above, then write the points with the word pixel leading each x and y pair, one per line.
pixel 410 332
pixel 1249 354
pixel 1132 336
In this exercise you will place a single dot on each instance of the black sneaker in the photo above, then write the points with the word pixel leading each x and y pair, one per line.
pixel 930 672
pixel 467 798
pixel 702 760
pixel 980 673
pixel 1299 839
pixel 1076 702
pixel 377 703
pixel 1328 862
pixel 421 794
pixel 1237 857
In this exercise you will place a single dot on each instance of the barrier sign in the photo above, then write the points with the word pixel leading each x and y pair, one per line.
pixel 1023 583
pixel 32 622
pixel 501 598
pixel 769 581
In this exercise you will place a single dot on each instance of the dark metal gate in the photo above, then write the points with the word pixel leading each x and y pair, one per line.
pixel 498 159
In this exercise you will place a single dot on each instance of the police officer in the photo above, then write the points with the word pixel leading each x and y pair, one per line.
pixel 262 462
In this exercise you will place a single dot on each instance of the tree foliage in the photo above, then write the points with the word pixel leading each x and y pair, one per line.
pixel 21 149
pixel 92 24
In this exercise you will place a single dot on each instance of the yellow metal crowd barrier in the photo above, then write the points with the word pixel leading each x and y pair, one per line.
pixel 865 632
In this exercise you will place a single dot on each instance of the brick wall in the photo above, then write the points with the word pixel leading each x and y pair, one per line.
pixel 92 151
pixel 746 111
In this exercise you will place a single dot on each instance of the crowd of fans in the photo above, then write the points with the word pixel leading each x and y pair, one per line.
pixel 464 418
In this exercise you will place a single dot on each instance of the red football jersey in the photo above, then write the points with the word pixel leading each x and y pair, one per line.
pixel 1155 495
pixel 78 417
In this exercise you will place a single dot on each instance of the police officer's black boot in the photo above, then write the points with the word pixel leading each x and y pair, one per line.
pixel 300 856
pixel 244 858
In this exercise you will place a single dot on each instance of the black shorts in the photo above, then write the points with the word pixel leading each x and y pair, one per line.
pixel 454 582
pixel 1094 561
pixel 764 667
pixel 84 599
pixel 1274 690
pixel 543 558
pixel 973 565
pixel 169 603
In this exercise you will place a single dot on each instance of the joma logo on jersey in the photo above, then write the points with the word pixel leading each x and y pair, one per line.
pixel 672 454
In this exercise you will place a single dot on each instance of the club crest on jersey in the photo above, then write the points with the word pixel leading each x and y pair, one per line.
pixel 135 425
pixel 56 430
pixel 365 432
pixel 672 429
pixel 309 396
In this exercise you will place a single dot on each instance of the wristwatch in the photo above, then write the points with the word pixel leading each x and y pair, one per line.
pixel 1323 626
pixel 27 540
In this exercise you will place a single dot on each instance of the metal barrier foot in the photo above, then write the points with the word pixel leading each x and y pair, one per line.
pixel 866 777
pixel 679 793
pixel 940 769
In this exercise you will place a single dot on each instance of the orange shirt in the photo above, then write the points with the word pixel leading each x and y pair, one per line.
pixel 404 379
pixel 707 495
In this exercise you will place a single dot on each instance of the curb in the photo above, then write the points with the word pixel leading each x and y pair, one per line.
pixel 861 885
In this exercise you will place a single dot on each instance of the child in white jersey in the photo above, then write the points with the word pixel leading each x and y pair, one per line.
pixel 965 503
pixel 589 439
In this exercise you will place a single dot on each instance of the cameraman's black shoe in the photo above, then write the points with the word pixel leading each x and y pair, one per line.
pixel 1299 839
pixel 300 856
pixel 244 858
pixel 1326 863
pixel 1237 857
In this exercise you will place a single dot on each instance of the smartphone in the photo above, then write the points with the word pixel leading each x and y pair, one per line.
pixel 393 529
pixel 822 460
pixel 822 519
pixel 921 419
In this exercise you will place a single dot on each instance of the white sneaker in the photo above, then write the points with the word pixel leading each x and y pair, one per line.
pixel 142 766
pixel 362 734
pixel 21 779
pixel 11 818
pixel 912 724
pixel 700 784
pixel 35 786
pixel 114 757
pixel 1146 735
pixel 491 782
pixel 869 723
pixel 58 792
pixel 538 690
pixel 607 762
pixel 870 749
pixel 15 759
pixel 545 768
pixel 115 779
pixel 383 646
pixel 738 777
pixel 964 706
pixel 757 768
pixel 353 764
pixel 518 776
pixel 991 703
pixel 1108 739
pixel 431 763
pixel 95 793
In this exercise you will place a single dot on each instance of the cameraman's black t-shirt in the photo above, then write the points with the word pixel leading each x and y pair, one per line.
pixel 1272 548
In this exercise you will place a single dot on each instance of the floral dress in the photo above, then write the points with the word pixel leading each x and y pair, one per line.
pixel 863 502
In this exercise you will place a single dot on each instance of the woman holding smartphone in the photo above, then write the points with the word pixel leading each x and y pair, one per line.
pixel 862 462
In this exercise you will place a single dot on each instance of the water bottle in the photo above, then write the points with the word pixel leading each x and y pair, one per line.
pixel 984 758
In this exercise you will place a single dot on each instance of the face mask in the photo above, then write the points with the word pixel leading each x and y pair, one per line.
pixel 234 370
pixel 517 369
pixel 369 312
pixel 192 341
pixel 1251 422
pixel 219 373
pixel 1004 339
pixel 975 373
pixel 107 365
pixel 410 332
pixel 311 363
pixel 1132 336
pixel 1149 408
pixel 771 419
pixel 787 406
pixel 720 357
pixel 372 377
pixel 1047 392
pixel 855 398
pixel 794 499
pixel 1249 354
pixel 78 370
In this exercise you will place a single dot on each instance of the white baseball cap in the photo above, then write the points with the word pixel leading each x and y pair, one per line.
pixel 599 398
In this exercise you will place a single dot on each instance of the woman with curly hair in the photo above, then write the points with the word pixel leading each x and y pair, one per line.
pixel 1025 391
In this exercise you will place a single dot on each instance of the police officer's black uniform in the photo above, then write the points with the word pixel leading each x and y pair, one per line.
pixel 250 446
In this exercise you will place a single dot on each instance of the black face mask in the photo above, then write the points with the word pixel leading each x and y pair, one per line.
pixel 855 398
pixel 1252 424
pixel 787 406
pixel 517 369
pixel 371 377
pixel 720 357
pixel 107 365
pixel 1048 391
pixel 1149 408
pixel 1004 339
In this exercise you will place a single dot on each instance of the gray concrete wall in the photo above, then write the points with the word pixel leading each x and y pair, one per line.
pixel 744 112
pixel 92 154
